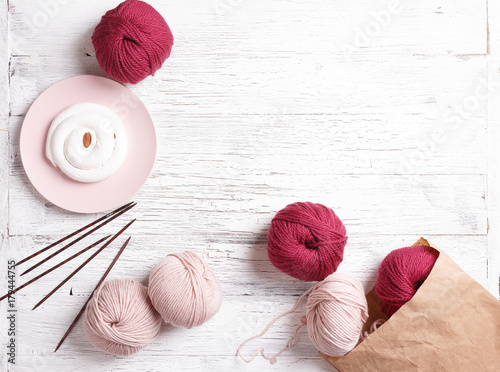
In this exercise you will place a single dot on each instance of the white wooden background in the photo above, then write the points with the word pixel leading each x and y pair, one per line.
pixel 264 103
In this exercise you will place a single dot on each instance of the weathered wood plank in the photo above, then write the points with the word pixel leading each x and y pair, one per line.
pixel 409 89
pixel 260 26
pixel 493 140
pixel 199 205
pixel 4 65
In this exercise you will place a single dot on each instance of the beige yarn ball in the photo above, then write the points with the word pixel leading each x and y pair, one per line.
pixel 336 312
pixel 184 290
pixel 119 319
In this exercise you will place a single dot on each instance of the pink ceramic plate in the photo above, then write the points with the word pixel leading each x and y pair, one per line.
pixel 119 187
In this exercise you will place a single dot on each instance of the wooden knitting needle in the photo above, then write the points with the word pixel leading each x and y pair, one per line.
pixel 88 300
pixel 54 268
pixel 74 233
pixel 83 264
pixel 79 238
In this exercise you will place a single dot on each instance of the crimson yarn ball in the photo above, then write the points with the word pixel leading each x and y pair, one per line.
pixel 132 41
pixel 306 241
pixel 401 274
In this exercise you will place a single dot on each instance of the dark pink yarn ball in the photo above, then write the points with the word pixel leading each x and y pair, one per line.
pixel 401 274
pixel 306 241
pixel 132 41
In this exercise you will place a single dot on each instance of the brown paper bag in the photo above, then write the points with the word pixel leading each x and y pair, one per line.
pixel 451 324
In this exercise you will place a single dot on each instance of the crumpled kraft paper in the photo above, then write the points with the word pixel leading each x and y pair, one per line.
pixel 451 324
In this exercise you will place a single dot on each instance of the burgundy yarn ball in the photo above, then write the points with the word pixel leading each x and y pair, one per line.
pixel 401 274
pixel 132 41
pixel 306 241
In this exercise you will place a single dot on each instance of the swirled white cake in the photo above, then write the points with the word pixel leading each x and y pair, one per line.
pixel 87 142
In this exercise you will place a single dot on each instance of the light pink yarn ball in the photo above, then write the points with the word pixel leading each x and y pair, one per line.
pixel 336 312
pixel 184 290
pixel 120 319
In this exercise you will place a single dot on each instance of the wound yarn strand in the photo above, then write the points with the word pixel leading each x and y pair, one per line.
pixel 132 41
pixel 184 290
pixel 306 241
pixel 401 274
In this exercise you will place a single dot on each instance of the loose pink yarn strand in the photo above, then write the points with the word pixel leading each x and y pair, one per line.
pixel 373 328
pixel 273 358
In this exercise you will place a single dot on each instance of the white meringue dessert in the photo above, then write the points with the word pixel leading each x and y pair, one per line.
pixel 87 142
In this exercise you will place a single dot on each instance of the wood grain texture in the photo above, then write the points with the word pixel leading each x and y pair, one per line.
pixel 493 141
pixel 389 121
pixel 4 65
